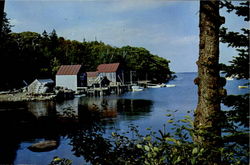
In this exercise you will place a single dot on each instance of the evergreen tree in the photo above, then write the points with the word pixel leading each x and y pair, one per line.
pixel 237 118
pixel 7 49
pixel 240 64
pixel 40 56
pixel 1 15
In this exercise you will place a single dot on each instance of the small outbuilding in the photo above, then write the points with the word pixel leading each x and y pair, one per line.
pixel 71 77
pixel 91 78
pixel 113 72
pixel 40 86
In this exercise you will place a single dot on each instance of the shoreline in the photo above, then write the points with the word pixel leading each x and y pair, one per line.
pixel 24 96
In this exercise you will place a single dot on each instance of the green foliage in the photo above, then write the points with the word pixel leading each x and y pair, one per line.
pixel 178 148
pixel 60 161
pixel 241 10
pixel 166 147
pixel 6 29
pixel 240 109
pixel 34 55
pixel 236 120
pixel 239 40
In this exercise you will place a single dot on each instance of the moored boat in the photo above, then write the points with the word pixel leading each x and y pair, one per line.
pixel 163 85
pixel 229 78
pixel 170 85
pixel 136 88
pixel 154 86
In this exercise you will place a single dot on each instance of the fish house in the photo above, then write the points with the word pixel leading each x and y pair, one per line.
pixel 71 77
pixel 91 78
pixel 40 86
pixel 113 72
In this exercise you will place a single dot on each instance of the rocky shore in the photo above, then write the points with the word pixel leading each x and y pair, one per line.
pixel 22 95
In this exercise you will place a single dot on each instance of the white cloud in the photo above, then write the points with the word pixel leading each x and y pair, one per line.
pixel 117 33
pixel 115 22
pixel 184 40
pixel 15 22
pixel 128 5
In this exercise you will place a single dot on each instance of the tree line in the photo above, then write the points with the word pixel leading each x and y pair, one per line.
pixel 28 55
pixel 214 137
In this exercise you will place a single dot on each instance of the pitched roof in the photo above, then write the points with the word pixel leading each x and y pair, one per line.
pixel 108 67
pixel 69 70
pixel 92 74
pixel 45 81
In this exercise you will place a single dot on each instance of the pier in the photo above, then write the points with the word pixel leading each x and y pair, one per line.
pixel 103 91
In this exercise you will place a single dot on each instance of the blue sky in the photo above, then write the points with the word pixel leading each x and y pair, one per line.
pixel 166 28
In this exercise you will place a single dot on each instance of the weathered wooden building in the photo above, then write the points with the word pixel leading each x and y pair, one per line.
pixel 40 86
pixel 113 72
pixel 71 77
pixel 91 78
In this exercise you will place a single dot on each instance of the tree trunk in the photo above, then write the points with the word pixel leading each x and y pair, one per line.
pixel 209 83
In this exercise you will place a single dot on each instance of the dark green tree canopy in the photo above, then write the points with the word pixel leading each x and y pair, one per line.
pixel 240 40
pixel 40 55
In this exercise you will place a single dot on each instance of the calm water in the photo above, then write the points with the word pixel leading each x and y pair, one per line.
pixel 24 124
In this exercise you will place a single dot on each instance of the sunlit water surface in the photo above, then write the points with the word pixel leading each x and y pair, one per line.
pixel 24 124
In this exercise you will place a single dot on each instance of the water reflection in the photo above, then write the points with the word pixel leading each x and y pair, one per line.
pixel 20 124
pixel 81 120
pixel 42 109
pixel 111 107
pixel 90 143
pixel 49 120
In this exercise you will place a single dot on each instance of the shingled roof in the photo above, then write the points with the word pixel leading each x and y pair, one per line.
pixel 108 67
pixel 69 70
pixel 92 74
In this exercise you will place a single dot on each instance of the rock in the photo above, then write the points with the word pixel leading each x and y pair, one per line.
pixel 44 146
pixel 64 94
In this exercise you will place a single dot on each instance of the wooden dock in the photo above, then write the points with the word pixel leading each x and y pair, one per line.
pixel 104 91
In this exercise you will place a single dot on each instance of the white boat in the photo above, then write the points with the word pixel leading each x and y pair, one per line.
pixel 229 78
pixel 170 85
pixel 154 86
pixel 163 85
pixel 137 88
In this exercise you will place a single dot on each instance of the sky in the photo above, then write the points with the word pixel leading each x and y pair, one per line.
pixel 166 28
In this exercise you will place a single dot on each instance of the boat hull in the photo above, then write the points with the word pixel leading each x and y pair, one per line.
pixel 170 85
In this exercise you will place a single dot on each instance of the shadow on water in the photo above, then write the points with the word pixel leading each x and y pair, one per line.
pixel 82 121
pixel 18 124
pixel 111 107
pixel 80 126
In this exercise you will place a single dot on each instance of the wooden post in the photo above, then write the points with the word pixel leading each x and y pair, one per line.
pixel 131 77
pixel 123 77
